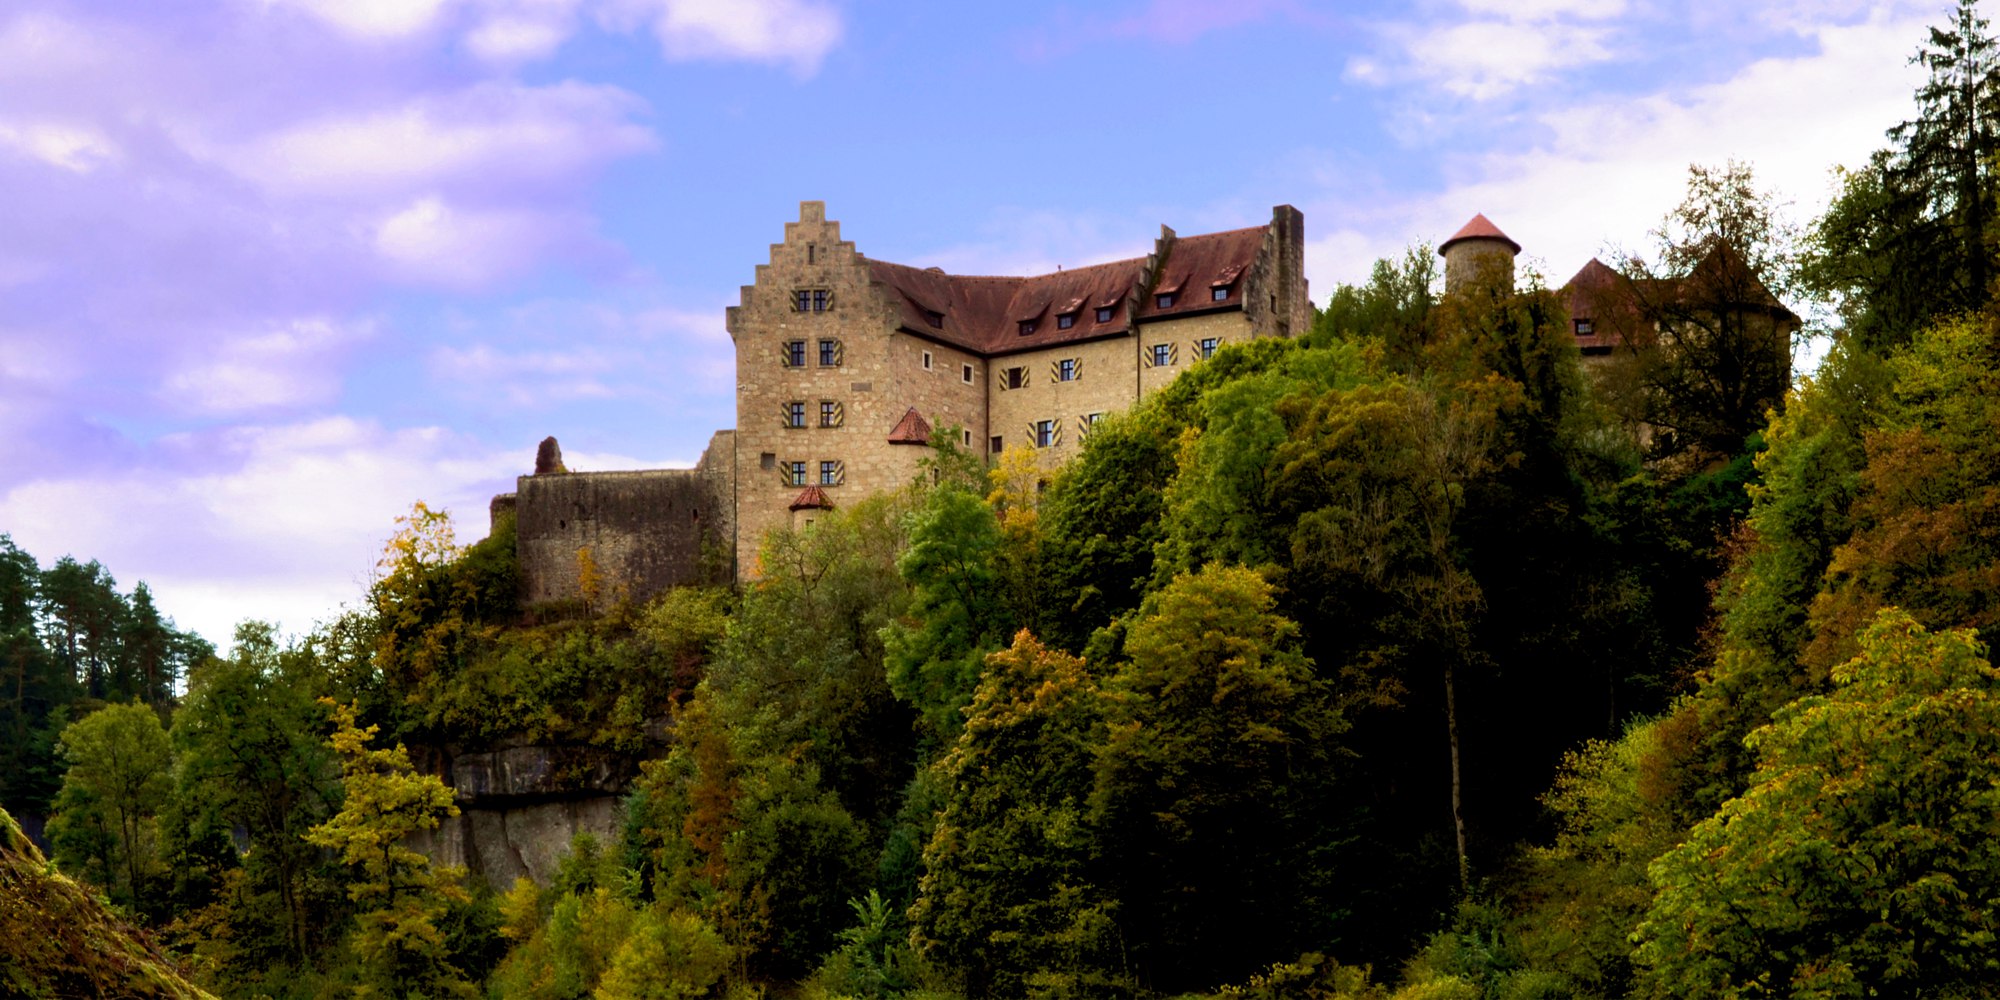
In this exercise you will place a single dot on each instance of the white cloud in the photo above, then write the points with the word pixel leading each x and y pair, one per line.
pixel 1546 10
pixel 78 149
pixel 431 242
pixel 798 33
pixel 286 367
pixel 1605 171
pixel 1482 60
pixel 285 526
pixel 369 19
pixel 514 38
pixel 492 133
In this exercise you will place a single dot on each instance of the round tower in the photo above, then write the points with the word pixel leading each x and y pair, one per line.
pixel 1477 248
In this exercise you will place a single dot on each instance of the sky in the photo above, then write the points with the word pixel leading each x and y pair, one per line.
pixel 273 270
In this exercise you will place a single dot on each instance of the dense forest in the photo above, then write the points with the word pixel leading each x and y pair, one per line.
pixel 1411 658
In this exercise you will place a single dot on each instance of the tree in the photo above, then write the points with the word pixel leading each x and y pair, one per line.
pixel 1218 734
pixel 1905 242
pixel 402 897
pixel 957 612
pixel 1009 898
pixel 118 779
pixel 1865 856
pixel 82 613
pixel 251 757
pixel 1705 324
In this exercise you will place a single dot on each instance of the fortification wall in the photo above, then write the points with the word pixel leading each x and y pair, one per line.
pixel 644 531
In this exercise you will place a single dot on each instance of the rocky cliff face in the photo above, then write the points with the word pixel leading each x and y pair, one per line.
pixel 519 807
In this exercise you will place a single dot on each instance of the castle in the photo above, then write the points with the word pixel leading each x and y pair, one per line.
pixel 846 366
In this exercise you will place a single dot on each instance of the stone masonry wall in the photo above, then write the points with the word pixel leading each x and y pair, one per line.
pixel 877 375
pixel 645 531
pixel 1107 382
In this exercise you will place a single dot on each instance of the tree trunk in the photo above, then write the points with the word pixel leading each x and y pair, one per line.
pixel 1457 798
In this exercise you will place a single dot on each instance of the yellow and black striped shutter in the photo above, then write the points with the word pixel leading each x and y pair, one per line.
pixel 839 473
pixel 785 353
pixel 840 352
pixel 1146 356
pixel 1077 369
pixel 839 414
pixel 1055 432
pixel 1082 427
pixel 1173 353
pixel 1055 370
pixel 784 414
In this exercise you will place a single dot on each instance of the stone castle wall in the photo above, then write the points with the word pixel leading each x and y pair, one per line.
pixel 644 531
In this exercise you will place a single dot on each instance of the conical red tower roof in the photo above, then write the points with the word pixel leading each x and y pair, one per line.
pixel 912 429
pixel 1480 228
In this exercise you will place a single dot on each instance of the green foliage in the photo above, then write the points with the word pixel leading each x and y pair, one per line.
pixel 1906 242
pixel 118 780
pixel 1010 889
pixel 1218 733
pixel 58 939
pixel 1863 857
pixel 402 899
pixel 667 956
pixel 955 609
pixel 251 757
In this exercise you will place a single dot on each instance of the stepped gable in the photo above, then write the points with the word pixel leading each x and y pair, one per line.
pixel 912 429
pixel 812 498
pixel 984 314
pixel 1480 228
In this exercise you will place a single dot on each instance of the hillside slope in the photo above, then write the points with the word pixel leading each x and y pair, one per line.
pixel 58 940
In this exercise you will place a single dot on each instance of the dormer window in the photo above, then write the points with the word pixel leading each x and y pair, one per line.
pixel 1585 328
pixel 1220 293
pixel 1104 314
pixel 934 318
pixel 1164 301
pixel 1065 321
pixel 1027 327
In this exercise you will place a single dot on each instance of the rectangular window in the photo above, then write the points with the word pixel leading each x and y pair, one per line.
pixel 1027 327
pixel 1045 433
pixel 1065 321
pixel 1014 378
pixel 1164 301
pixel 1219 294
pixel 1104 314
pixel 794 413
pixel 995 444
pixel 821 299
pixel 934 318
pixel 1163 355
pixel 829 353
pixel 795 354
pixel 1066 370
pixel 1085 423
pixel 967 435
pixel 927 361
pixel 1585 328
pixel 1207 346
pixel 829 473
pixel 829 413
pixel 802 300
pixel 797 471
pixel 966 373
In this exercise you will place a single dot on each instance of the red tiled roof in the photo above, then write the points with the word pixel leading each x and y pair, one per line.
pixel 810 498
pixel 984 315
pixel 1196 264
pixel 912 429
pixel 1480 228
pixel 1616 305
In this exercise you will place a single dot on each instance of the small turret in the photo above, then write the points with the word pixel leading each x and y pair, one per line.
pixel 1476 248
